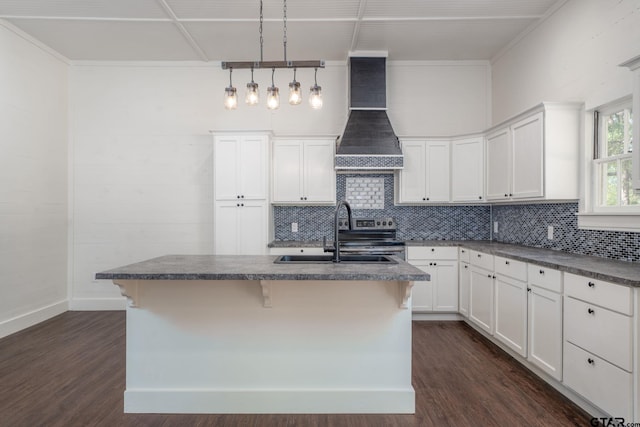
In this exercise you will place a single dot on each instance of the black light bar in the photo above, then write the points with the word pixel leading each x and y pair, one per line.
pixel 272 64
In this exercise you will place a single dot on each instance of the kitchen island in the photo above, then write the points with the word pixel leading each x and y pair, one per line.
pixel 241 334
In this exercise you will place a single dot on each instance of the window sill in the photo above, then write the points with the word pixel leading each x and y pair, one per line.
pixel 622 221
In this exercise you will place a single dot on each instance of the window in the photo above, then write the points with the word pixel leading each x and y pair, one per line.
pixel 612 166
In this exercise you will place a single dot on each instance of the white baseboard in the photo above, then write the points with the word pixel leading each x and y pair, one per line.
pixel 436 316
pixel 300 401
pixel 97 304
pixel 23 321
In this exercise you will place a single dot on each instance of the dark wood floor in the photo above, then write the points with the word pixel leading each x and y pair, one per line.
pixel 70 371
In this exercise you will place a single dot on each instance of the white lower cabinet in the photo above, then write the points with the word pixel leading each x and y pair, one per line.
pixel 545 330
pixel 441 292
pixel 240 228
pixel 464 281
pixel 511 313
pixel 481 298
pixel 598 343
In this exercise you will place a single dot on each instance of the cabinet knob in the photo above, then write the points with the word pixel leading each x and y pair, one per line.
pixel 479 255
pixel 427 198
pixel 424 198
pixel 301 198
pixel 510 194
pixel 493 277
pixel 238 204
pixel 301 250
pixel 489 276
pixel 590 311
pixel 590 361
pixel 433 249
pixel 242 196
pixel 462 250
pixel 506 195
pixel 480 197
pixel 305 198
pixel 238 196
pixel 591 285
pixel 506 262
pixel 466 266
pixel 435 263
pixel 528 289
pixel 241 204
pixel 541 271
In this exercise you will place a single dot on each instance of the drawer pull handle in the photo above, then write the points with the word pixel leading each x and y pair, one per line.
pixel 591 285
pixel 528 289
pixel 466 266
pixel 479 255
pixel 489 276
pixel 591 311
pixel 433 249
pixel 541 271
pixel 590 361
pixel 506 262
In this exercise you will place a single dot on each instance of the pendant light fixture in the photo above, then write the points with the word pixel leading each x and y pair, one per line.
pixel 295 95
pixel 230 95
pixel 273 97
pixel 315 94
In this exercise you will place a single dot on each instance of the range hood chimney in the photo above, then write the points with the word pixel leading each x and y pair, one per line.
pixel 368 141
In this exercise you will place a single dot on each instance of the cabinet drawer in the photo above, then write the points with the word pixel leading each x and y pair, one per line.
pixel 432 252
pixel 511 268
pixel 606 386
pixel 295 251
pixel 544 277
pixel 602 332
pixel 481 260
pixel 604 294
pixel 464 255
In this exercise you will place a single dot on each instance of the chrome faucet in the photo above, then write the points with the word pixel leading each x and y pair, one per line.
pixel 336 239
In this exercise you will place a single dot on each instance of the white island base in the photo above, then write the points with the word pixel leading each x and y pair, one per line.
pixel 227 346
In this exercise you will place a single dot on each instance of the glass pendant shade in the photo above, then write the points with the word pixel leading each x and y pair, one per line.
pixel 230 98
pixel 253 96
pixel 273 98
pixel 295 94
pixel 315 97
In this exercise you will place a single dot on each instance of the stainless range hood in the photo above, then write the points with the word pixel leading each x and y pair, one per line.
pixel 368 141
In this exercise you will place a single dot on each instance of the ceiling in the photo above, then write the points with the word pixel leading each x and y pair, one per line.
pixel 204 30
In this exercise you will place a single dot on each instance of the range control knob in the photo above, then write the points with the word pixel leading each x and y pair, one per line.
pixel 390 222
pixel 378 223
pixel 384 222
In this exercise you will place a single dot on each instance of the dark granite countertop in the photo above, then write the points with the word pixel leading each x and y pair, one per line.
pixel 248 267
pixel 620 272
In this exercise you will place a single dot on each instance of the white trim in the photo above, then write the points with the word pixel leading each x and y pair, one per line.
pixel 434 316
pixel 261 401
pixel 97 304
pixel 37 43
pixel 629 222
pixel 23 321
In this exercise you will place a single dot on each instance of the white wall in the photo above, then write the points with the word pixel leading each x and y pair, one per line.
pixel 142 153
pixel 33 182
pixel 572 56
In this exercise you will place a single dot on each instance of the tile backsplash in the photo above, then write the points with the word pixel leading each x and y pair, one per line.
pixel 528 225
pixel 525 224
pixel 414 222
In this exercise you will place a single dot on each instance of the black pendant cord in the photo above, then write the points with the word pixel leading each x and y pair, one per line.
pixel 261 38
pixel 273 71
pixel 284 38
pixel 230 71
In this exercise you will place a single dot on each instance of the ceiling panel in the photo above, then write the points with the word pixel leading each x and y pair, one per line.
pixel 457 8
pixel 439 40
pixel 239 41
pixel 105 40
pixel 83 8
pixel 250 9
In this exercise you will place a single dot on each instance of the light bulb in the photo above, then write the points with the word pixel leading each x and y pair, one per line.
pixel 273 98
pixel 315 97
pixel 230 98
pixel 253 96
pixel 295 95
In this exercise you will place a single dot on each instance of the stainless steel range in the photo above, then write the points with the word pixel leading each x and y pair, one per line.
pixel 370 236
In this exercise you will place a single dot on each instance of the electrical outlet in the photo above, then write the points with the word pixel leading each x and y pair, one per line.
pixel 495 226
pixel 294 227
pixel 550 232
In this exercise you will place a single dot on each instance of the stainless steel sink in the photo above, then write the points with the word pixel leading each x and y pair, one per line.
pixel 327 259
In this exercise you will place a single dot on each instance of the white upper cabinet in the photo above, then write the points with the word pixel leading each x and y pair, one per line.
pixel 467 170
pixel 240 167
pixel 425 176
pixel 303 171
pixel 536 155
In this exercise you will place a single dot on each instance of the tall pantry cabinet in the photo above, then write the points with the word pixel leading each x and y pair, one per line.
pixel 241 208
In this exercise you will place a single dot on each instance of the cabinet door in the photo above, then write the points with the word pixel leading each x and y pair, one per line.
pixel 498 165
pixel 422 292
pixel 467 170
pixel 226 173
pixel 481 299
pixel 445 287
pixel 437 171
pixel 464 283
pixel 287 171
pixel 511 313
pixel 225 231
pixel 252 164
pixel 527 157
pixel 545 330
pixel 412 176
pixel 319 171
pixel 252 223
